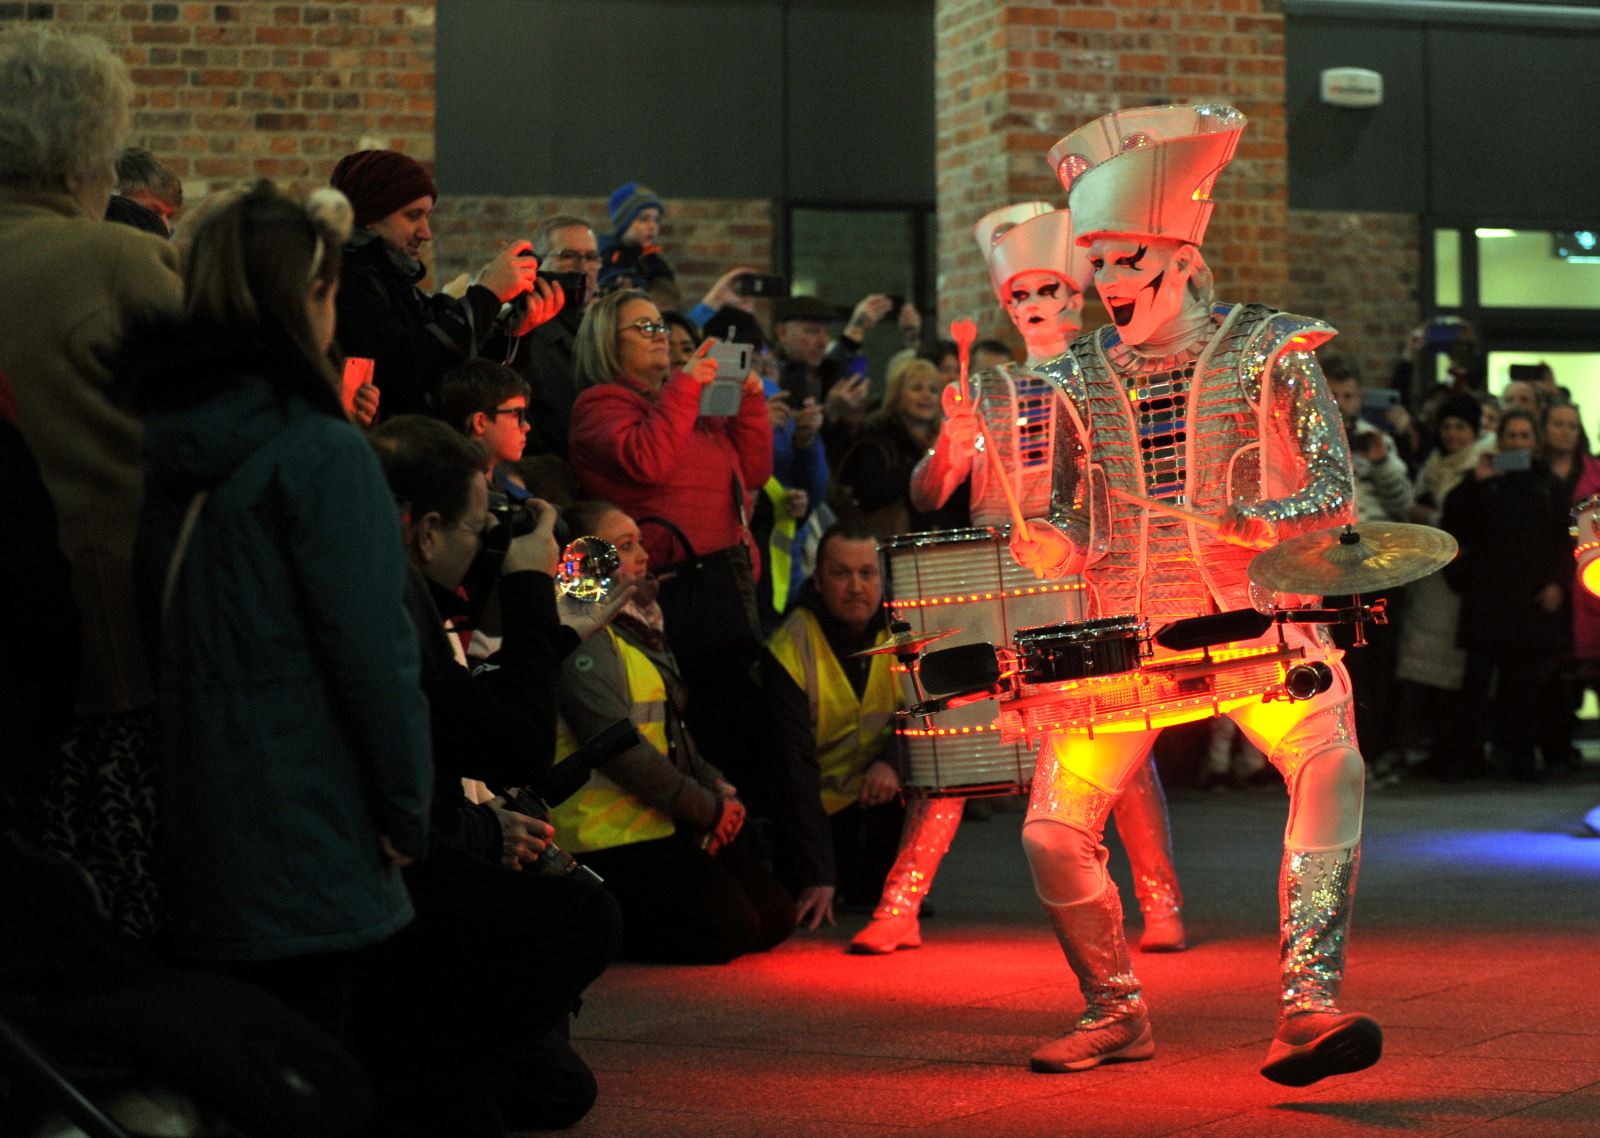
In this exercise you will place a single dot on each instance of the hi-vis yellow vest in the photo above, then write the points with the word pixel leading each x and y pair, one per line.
pixel 850 733
pixel 602 815
pixel 780 559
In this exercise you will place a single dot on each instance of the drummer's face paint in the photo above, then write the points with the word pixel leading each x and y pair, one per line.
pixel 1046 309
pixel 849 581
pixel 1141 282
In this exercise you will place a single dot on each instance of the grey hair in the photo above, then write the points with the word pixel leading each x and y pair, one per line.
pixel 138 169
pixel 545 235
pixel 63 109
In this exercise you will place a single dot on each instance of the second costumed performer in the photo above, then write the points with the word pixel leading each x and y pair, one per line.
pixel 1220 410
pixel 1039 275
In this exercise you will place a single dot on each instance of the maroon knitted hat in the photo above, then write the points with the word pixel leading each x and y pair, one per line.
pixel 378 182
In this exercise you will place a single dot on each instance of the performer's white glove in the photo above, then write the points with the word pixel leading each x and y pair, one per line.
pixel 1250 532
pixel 1047 551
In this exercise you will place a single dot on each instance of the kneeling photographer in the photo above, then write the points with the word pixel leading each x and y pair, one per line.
pixel 470 1009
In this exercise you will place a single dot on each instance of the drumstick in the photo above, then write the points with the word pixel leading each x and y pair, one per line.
pixel 1004 479
pixel 963 332
pixel 1162 507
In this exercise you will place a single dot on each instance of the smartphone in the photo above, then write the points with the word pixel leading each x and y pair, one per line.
pixel 760 285
pixel 721 397
pixel 1526 373
pixel 357 371
pixel 1376 404
pixel 1511 461
pixel 1443 332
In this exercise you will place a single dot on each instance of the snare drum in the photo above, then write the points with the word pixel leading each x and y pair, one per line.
pixel 1053 653
pixel 966 579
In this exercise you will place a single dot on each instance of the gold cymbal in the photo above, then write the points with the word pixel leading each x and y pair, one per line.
pixel 907 641
pixel 1353 559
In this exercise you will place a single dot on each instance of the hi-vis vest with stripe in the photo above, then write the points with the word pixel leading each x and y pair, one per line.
pixel 850 733
pixel 603 815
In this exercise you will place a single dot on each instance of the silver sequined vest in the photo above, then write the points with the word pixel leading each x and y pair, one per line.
pixel 1259 431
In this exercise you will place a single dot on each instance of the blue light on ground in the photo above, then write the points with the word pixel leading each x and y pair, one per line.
pixel 1558 853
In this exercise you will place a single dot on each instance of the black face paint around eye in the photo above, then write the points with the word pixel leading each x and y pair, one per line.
pixel 1132 259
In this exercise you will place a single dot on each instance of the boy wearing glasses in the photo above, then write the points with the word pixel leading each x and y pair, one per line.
pixel 488 401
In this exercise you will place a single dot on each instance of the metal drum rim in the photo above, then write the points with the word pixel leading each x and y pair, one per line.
pixel 939 537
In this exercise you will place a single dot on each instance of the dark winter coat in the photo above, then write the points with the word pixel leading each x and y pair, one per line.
pixel 413 338
pixel 293 727
pixel 1513 531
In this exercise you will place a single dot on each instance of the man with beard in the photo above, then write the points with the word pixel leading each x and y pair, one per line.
pixel 1038 275
pixel 414 338
pixel 1218 410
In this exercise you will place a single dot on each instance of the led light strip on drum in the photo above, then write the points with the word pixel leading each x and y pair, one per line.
pixel 1029 591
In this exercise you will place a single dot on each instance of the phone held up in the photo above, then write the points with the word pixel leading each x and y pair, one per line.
pixel 721 397
pixel 761 285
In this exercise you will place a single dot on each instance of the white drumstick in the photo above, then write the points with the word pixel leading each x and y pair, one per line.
pixel 1162 507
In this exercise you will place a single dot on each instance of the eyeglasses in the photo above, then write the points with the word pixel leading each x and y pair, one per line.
pixel 520 412
pixel 649 329
pixel 591 257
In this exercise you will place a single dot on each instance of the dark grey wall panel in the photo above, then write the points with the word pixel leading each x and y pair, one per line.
pixel 1357 159
pixel 1514 124
pixel 860 109
pixel 579 96
pixel 788 99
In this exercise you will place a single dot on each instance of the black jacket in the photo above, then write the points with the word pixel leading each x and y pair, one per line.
pixel 496 722
pixel 413 338
pixel 546 359
pixel 1513 531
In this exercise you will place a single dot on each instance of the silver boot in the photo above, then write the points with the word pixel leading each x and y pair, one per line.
pixel 925 838
pixel 1114 1026
pixel 1316 892
pixel 1146 832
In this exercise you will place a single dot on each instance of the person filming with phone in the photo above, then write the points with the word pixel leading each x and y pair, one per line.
pixel 1514 572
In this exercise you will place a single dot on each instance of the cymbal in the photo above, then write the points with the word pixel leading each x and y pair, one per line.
pixel 906 641
pixel 1353 559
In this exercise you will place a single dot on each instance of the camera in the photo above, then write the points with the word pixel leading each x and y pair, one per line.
pixel 574 288
pixel 512 520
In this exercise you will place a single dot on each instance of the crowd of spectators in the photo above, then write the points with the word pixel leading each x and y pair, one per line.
pixel 315 719
pixel 301 697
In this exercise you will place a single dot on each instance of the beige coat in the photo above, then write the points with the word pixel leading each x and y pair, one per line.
pixel 70 286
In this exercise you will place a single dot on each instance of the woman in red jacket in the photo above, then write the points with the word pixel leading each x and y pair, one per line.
pixel 639 440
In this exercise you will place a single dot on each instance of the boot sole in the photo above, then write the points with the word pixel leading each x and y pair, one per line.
pixel 872 950
pixel 1141 1048
pixel 1352 1047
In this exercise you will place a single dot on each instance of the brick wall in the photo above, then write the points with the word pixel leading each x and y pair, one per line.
pixel 248 88
pixel 1359 272
pixel 701 237
pixel 1013 76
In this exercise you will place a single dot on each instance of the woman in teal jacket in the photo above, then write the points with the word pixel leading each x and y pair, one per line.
pixel 295 762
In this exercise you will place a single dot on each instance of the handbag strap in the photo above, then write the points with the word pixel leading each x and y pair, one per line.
pixel 185 532
pixel 674 531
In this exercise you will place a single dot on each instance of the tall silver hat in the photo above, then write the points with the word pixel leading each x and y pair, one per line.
pixel 1147 172
pixel 1030 237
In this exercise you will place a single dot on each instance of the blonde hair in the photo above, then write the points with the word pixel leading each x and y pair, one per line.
pixel 63 110
pixel 595 356
pixel 903 368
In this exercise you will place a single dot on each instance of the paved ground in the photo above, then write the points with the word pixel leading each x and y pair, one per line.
pixel 1475 946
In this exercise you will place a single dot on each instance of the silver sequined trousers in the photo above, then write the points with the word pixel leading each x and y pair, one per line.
pixel 925 838
pixel 1092 939
pixel 1316 892
pixel 1142 823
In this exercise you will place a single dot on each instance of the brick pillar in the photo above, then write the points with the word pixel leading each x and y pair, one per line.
pixel 1013 76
